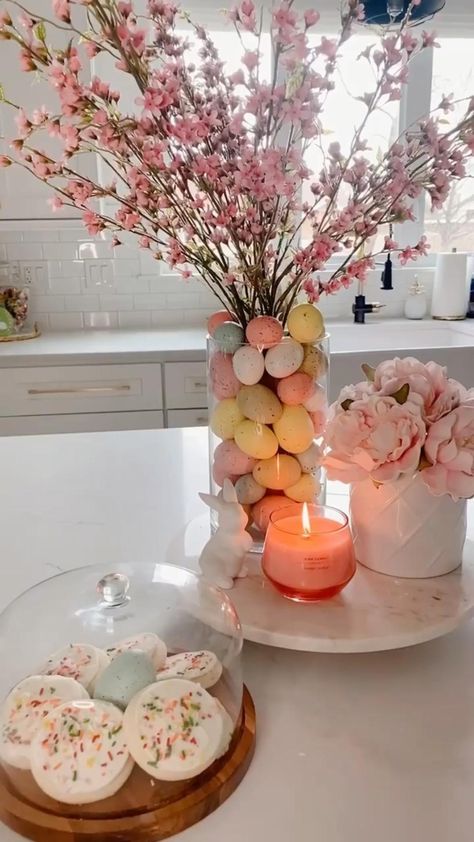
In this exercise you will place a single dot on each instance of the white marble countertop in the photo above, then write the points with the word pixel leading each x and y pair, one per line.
pixel 149 346
pixel 366 748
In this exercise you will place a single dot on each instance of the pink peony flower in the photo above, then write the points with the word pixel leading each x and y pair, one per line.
pixel 375 436
pixel 449 447
pixel 430 388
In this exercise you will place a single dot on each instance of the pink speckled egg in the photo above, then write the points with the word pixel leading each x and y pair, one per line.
pixel 219 474
pixel 295 389
pixel 317 402
pixel 232 459
pixel 319 422
pixel 262 511
pixel 219 318
pixel 264 332
pixel 223 379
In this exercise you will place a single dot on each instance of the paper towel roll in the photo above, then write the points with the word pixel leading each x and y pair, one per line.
pixel 451 285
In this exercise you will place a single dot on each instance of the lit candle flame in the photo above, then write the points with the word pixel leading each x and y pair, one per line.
pixel 305 520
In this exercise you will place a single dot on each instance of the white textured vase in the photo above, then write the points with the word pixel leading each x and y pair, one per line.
pixel 401 529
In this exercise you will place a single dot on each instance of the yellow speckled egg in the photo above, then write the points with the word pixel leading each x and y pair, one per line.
pixel 256 439
pixel 262 511
pixel 305 490
pixel 264 332
pixel 259 404
pixel 225 419
pixel 294 430
pixel 285 358
pixel 278 472
pixel 305 323
pixel 314 361
pixel 310 459
pixel 248 364
pixel 248 490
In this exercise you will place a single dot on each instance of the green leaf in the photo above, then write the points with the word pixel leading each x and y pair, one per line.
pixel 401 396
pixel 40 31
pixel 346 404
pixel 2 93
pixel 369 372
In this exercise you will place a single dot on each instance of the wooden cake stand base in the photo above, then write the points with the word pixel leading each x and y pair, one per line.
pixel 144 810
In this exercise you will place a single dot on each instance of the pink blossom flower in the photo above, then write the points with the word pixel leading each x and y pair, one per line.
pixel 62 10
pixel 311 17
pixel 311 290
pixel 430 388
pixel 429 39
pixel 376 437
pixel 5 161
pixel 93 222
pixel 56 203
pixel 250 59
pixel 449 447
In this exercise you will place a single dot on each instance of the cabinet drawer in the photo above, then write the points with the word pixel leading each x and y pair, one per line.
pixel 187 418
pixel 90 422
pixel 75 389
pixel 185 385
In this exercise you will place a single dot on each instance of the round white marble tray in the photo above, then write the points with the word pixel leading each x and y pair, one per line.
pixel 374 613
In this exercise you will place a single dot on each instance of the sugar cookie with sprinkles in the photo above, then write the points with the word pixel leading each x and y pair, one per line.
pixel 227 730
pixel 147 642
pixel 202 667
pixel 173 729
pixel 80 661
pixel 79 754
pixel 24 708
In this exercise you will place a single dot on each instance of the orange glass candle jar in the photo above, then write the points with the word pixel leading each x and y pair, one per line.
pixel 308 553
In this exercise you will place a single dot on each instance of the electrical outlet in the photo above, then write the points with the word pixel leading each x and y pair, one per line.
pixel 34 274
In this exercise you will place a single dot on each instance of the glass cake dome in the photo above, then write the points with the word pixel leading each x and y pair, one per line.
pixel 84 625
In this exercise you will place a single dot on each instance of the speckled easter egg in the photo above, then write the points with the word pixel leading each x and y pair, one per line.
pixel 295 389
pixel 256 439
pixel 219 474
pixel 229 336
pixel 262 511
pixel 317 401
pixel 264 332
pixel 305 323
pixel 305 490
pixel 128 673
pixel 285 358
pixel 219 318
pixel 232 459
pixel 314 362
pixel 225 418
pixel 248 490
pixel 259 404
pixel 278 472
pixel 294 430
pixel 248 364
pixel 223 380
pixel 319 422
pixel 310 459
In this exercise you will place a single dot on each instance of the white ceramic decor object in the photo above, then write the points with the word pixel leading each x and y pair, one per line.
pixel 451 285
pixel 222 559
pixel 401 529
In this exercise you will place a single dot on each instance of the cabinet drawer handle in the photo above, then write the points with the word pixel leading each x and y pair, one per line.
pixel 202 418
pixel 82 390
pixel 200 384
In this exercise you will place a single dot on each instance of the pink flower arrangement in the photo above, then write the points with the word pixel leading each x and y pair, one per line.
pixel 206 171
pixel 406 417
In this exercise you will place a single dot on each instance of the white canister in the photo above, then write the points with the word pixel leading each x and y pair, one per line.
pixel 415 305
pixel 451 285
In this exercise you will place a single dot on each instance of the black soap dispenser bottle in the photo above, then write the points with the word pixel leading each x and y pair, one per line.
pixel 470 306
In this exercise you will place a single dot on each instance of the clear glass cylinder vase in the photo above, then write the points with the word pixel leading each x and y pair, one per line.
pixel 267 413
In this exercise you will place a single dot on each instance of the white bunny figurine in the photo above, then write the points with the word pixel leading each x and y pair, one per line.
pixel 221 560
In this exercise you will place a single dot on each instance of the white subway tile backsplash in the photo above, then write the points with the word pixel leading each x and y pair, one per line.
pixel 82 303
pixel 135 318
pixel 66 321
pixel 165 318
pixel 66 268
pixel 46 235
pixel 99 275
pixel 61 251
pixel 126 268
pixel 181 301
pixel 47 303
pixel 24 251
pixel 65 284
pixel 94 250
pixel 150 301
pixel 98 321
pixel 128 283
pixel 3 251
pixel 116 302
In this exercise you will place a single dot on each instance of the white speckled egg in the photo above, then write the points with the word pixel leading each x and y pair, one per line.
pixel 294 430
pixel 248 364
pixel 305 490
pixel 262 511
pixel 248 490
pixel 285 358
pixel 229 336
pixel 225 418
pixel 314 362
pixel 278 472
pixel 295 389
pixel 310 459
pixel 256 439
pixel 128 673
pixel 259 404
pixel 305 323
pixel 317 401
pixel 264 332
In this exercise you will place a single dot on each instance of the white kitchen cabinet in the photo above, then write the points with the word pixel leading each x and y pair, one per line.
pixel 185 385
pixel 22 196
pixel 187 417
pixel 90 422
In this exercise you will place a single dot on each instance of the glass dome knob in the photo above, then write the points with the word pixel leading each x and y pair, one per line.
pixel 113 589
